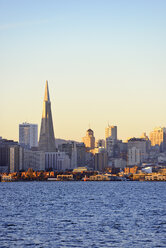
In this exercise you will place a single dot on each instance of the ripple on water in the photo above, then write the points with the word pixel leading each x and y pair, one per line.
pixel 79 214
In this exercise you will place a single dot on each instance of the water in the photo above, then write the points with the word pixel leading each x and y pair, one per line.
pixel 83 214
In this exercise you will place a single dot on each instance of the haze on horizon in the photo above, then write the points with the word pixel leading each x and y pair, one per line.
pixel 104 61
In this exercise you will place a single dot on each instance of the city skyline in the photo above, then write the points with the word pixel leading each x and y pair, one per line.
pixel 104 62
pixel 46 95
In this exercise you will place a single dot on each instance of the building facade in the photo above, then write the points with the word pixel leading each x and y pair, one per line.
pixel 89 139
pixel 158 137
pixel 111 139
pixel 47 139
pixel 111 131
pixel 28 135
pixel 34 160
pixel 16 158
pixel 100 159
pixel 5 154
pixel 137 151
pixel 57 161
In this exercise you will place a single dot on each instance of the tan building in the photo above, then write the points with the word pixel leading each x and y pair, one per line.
pixel 158 137
pixel 155 177
pixel 111 131
pixel 80 169
pixel 99 178
pixel 64 177
pixel 89 139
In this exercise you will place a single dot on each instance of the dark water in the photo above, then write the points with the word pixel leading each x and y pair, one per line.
pixel 83 214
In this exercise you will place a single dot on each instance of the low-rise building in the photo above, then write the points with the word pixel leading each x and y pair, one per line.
pixel 155 177
pixel 65 177
pixel 130 170
pixel 99 178
pixel 80 169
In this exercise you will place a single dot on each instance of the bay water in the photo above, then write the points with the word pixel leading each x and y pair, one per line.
pixel 83 214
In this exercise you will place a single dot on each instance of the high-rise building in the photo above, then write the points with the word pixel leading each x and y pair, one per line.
pixel 137 151
pixel 111 131
pixel 5 154
pixel 89 139
pixel 111 139
pixel 158 137
pixel 47 139
pixel 28 135
pixel 34 159
pixel 81 153
pixel 100 159
pixel 16 158
pixel 76 152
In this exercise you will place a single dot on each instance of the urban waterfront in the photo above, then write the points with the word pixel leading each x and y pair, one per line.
pixel 83 214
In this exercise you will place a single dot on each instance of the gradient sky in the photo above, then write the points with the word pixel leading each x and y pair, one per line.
pixel 105 61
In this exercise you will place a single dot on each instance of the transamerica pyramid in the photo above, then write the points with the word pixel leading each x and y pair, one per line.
pixel 47 139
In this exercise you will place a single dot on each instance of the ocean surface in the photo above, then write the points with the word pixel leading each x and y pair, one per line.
pixel 83 214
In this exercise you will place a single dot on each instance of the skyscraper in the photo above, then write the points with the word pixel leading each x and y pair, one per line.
pixel 111 139
pixel 158 137
pixel 28 135
pixel 89 139
pixel 47 139
pixel 111 131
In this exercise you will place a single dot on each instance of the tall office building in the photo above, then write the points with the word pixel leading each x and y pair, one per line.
pixel 5 154
pixel 16 158
pixel 111 131
pixel 47 139
pixel 89 139
pixel 137 151
pixel 100 159
pixel 158 137
pixel 28 135
pixel 111 139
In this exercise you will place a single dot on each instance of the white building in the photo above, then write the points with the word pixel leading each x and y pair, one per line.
pixel 28 135
pixel 137 151
pixel 57 161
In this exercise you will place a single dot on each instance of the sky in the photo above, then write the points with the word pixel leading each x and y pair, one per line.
pixel 105 62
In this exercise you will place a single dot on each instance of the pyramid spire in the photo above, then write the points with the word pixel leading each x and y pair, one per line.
pixel 46 96
pixel 47 139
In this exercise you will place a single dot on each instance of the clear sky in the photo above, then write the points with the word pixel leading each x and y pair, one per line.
pixel 105 61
